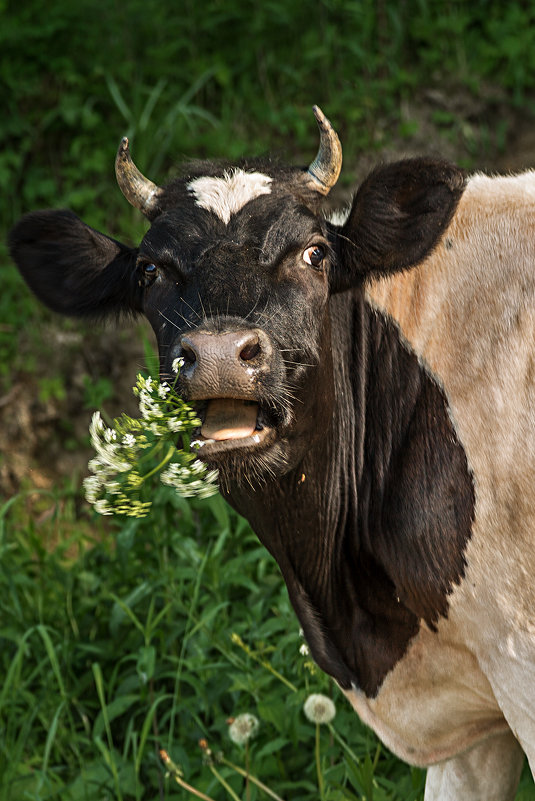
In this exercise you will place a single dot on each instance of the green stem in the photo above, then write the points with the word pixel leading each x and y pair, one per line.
pixel 247 785
pixel 191 789
pixel 225 784
pixel 167 458
pixel 253 779
pixel 342 742
pixel 318 761
pixel 376 757
pixel 174 771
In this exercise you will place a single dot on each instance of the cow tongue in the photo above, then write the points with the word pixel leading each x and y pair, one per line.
pixel 229 418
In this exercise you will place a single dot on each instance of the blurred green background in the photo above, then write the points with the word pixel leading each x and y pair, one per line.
pixel 115 639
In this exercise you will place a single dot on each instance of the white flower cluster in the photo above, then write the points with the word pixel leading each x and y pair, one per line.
pixel 132 451
pixel 243 728
pixel 192 479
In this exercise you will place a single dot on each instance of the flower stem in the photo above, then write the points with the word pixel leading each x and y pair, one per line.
pixel 252 778
pixel 175 772
pixel 247 784
pixel 343 743
pixel 167 458
pixel 318 762
pixel 225 784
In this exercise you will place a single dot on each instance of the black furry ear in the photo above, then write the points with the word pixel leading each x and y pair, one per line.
pixel 72 268
pixel 397 217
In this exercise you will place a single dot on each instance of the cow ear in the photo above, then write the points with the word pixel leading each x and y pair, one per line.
pixel 397 217
pixel 72 268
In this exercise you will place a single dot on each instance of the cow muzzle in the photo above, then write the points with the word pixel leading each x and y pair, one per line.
pixel 224 376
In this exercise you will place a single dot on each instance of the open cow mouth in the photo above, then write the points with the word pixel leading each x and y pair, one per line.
pixel 230 423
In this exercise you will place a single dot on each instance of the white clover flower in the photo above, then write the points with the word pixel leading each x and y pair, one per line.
pixel 319 708
pixel 177 364
pixel 243 728
pixel 207 491
pixel 103 507
pixel 113 486
pixel 110 435
pixel 123 452
pixel 197 467
pixel 148 406
pixel 173 424
pixel 109 460
pixel 92 487
pixel 97 424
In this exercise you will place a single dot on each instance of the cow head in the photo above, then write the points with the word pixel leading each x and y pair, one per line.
pixel 235 275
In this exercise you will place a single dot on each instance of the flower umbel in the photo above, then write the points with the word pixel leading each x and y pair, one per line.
pixel 133 451
pixel 243 728
pixel 319 708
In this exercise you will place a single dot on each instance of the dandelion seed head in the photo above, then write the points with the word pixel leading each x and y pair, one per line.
pixel 319 708
pixel 243 728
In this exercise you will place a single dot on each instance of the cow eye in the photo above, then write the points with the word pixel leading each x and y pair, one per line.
pixel 314 256
pixel 149 271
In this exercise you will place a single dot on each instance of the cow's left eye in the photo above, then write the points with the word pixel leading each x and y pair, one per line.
pixel 314 256
pixel 149 272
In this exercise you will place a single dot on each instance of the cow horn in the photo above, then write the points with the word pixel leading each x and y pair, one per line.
pixel 139 191
pixel 324 171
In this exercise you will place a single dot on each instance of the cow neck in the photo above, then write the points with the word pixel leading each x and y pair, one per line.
pixel 370 530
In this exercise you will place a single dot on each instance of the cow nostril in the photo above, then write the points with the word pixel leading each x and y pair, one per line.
pixel 188 354
pixel 250 351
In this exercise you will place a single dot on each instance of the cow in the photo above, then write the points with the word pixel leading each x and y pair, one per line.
pixel 366 385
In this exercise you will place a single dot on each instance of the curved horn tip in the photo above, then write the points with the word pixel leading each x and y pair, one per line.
pixel 319 115
pixel 141 193
pixel 123 149
pixel 325 168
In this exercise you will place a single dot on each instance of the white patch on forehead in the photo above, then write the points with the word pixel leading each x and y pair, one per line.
pixel 227 195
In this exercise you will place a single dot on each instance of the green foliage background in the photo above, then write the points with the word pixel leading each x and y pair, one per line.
pixel 115 639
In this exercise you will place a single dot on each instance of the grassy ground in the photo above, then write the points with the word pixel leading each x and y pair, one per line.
pixel 118 640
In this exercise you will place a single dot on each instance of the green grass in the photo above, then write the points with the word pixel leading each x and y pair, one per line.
pixel 152 634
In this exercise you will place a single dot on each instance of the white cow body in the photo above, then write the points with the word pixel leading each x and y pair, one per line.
pixel 469 313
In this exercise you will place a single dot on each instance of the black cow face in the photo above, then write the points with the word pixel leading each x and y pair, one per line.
pixel 244 304
pixel 235 275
